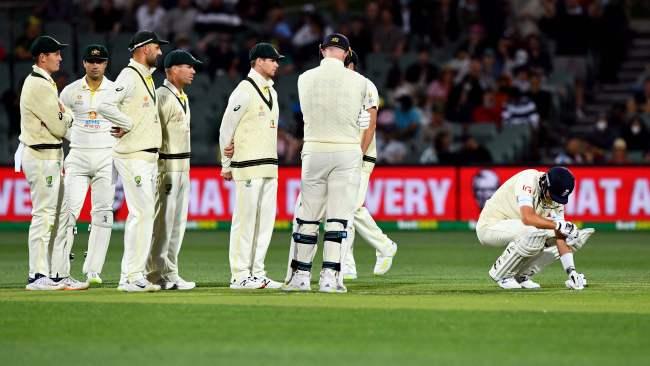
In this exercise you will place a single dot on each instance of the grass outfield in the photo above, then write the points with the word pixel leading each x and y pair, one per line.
pixel 436 306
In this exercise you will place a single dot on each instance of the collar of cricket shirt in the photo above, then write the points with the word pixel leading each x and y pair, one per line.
pixel 259 79
pixel 180 95
pixel 332 61
pixel 102 86
pixel 43 73
pixel 145 71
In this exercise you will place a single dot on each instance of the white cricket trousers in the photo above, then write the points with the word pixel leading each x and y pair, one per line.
pixel 46 254
pixel 139 181
pixel 329 186
pixel 172 201
pixel 366 226
pixel 91 168
pixel 498 233
pixel 253 220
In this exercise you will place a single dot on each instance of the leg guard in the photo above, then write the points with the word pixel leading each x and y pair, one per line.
pixel 526 246
pixel 335 235
pixel 100 236
pixel 583 235
pixel 306 241
pixel 537 263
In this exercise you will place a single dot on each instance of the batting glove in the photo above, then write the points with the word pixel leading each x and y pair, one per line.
pixel 576 281
pixel 364 120
pixel 567 228
pixel 581 239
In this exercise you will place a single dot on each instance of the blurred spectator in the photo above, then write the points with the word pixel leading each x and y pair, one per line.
pixel 490 69
pixel 521 79
pixel 420 14
pixel 180 19
pixel 308 36
pixel 603 134
pixel 466 95
pixel 573 153
pixel 640 102
pixel 57 10
pixel 619 152
pixel 221 56
pixel 278 27
pixel 340 13
pixel 472 152
pixel 613 39
pixel 423 71
pixel 407 119
pixel 568 23
pixel 489 111
pixel 542 98
pixel 61 78
pixel 151 16
pixel 475 43
pixel 217 17
pixel 106 18
pixel 469 12
pixel 429 155
pixel 636 134
pixel 520 110
pixel 538 58
pixel 288 147
pixel 11 104
pixel 360 38
pixel 387 37
pixel 439 89
pixel 504 61
pixel 253 10
pixel 442 144
pixel 24 42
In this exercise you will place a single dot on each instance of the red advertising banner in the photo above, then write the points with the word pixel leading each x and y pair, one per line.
pixel 602 194
pixel 605 194
pixel 393 194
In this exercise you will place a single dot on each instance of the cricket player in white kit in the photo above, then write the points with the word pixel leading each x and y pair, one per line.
pixel 526 214
pixel 90 161
pixel 133 108
pixel 173 191
pixel 331 98
pixel 44 122
pixel 249 131
pixel 363 222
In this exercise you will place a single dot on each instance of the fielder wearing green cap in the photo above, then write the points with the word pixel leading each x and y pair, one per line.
pixel 44 121
pixel 173 182
pixel 248 143
pixel 90 160
pixel 526 215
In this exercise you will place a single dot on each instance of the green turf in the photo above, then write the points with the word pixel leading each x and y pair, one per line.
pixel 436 306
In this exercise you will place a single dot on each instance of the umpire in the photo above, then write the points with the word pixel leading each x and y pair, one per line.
pixel 43 124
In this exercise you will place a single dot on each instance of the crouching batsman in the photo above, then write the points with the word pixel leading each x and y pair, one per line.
pixel 526 215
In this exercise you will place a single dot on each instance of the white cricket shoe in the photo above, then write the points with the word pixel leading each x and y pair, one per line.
pixel 269 283
pixel 329 281
pixel 384 263
pixel 299 281
pixel 93 279
pixel 141 285
pixel 527 283
pixel 349 271
pixel 71 284
pixel 44 284
pixel 182 285
pixel 509 283
pixel 249 283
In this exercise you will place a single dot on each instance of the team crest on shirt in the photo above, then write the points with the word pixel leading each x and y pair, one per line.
pixel 146 101
pixel 138 180
pixel 92 115
pixel 272 123
pixel 261 112
pixel 48 181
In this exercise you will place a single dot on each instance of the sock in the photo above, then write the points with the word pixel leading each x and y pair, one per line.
pixel 567 262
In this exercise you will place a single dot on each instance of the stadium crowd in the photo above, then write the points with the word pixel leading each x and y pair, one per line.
pixel 456 77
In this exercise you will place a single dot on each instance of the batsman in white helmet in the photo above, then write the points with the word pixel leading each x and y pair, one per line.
pixel 90 161
pixel 526 214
